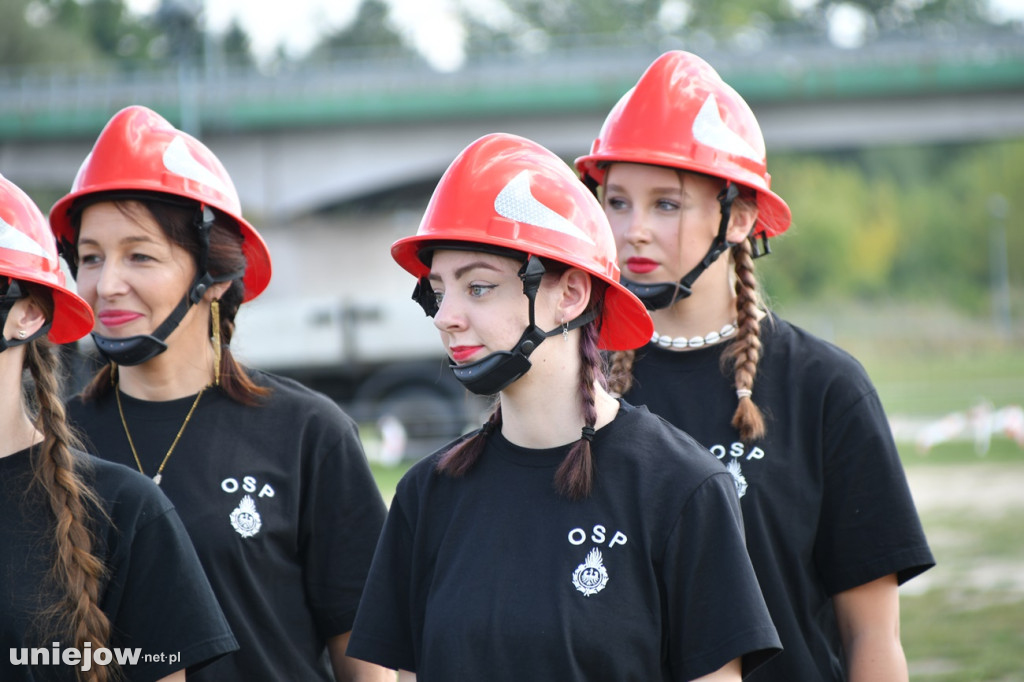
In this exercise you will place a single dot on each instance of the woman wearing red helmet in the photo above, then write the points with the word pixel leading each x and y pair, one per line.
pixel 830 523
pixel 82 538
pixel 573 537
pixel 268 476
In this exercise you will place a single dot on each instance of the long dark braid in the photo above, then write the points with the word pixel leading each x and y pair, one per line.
pixel 744 353
pixel 77 573
pixel 463 455
pixel 575 477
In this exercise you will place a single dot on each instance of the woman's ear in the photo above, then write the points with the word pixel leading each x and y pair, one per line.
pixel 576 288
pixel 216 290
pixel 741 221
pixel 25 317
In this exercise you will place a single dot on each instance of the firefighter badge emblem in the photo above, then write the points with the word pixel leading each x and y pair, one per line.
pixel 591 576
pixel 245 519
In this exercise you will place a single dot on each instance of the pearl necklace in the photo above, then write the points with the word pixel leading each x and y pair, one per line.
pixel 683 343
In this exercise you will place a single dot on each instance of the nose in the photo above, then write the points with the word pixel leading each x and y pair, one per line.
pixel 110 282
pixel 636 229
pixel 449 316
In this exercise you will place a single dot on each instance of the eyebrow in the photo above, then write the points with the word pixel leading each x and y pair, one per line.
pixel 461 271
pixel 125 240
pixel 654 190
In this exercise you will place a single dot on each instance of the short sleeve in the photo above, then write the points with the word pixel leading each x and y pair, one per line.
pixel 716 611
pixel 341 518
pixel 382 633
pixel 869 525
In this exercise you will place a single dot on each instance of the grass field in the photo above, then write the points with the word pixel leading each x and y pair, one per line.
pixel 964 620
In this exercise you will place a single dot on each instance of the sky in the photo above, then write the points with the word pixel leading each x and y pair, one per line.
pixel 428 25
pixel 297 25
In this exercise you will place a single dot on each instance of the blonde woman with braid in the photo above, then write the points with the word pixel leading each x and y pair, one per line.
pixel 269 477
pixel 831 528
pixel 573 537
pixel 94 558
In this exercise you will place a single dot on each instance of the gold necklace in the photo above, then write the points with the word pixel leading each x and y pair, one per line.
pixel 131 444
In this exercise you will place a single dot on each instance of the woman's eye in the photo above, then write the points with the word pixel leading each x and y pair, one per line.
pixel 438 297
pixel 88 259
pixel 477 290
pixel 616 203
pixel 666 205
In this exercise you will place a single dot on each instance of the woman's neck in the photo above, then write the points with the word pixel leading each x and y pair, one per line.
pixel 166 377
pixel 16 428
pixel 546 412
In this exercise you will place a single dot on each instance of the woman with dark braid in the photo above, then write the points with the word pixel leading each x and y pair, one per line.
pixel 573 537
pixel 94 557
pixel 831 528
pixel 269 476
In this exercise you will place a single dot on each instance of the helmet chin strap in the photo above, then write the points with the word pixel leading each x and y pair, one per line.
pixel 500 369
pixel 134 350
pixel 664 294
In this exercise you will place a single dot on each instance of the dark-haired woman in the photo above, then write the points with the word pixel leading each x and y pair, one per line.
pixel 269 477
pixel 573 537
pixel 94 558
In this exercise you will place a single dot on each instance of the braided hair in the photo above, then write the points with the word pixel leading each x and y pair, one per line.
pixel 77 574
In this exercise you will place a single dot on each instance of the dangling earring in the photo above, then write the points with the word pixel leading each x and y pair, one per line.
pixel 215 323
pixel 565 331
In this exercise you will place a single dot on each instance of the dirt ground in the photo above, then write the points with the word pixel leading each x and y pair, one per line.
pixel 979 488
pixel 977 492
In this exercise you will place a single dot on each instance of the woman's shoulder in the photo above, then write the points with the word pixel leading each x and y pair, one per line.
pixel 289 395
pixel 640 436
pixel 798 349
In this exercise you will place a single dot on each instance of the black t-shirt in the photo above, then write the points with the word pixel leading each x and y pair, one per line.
pixel 495 576
pixel 155 594
pixel 280 503
pixel 825 500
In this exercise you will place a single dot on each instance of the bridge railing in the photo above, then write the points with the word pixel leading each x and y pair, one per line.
pixel 359 87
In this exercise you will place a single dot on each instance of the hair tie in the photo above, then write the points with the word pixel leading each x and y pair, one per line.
pixel 487 429
pixel 742 393
pixel 587 433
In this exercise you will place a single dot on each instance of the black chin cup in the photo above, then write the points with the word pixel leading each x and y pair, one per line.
pixel 659 295
pixel 498 370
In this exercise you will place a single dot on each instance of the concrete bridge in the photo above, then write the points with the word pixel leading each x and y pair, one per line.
pixel 302 140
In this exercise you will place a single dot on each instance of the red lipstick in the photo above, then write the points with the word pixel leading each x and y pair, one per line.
pixel 641 265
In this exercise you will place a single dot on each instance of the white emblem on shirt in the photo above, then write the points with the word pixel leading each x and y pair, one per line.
pixel 591 576
pixel 738 478
pixel 245 519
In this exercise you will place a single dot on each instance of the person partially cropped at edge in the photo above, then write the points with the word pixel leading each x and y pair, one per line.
pixel 269 477
pixel 94 557
pixel 832 530
pixel 573 536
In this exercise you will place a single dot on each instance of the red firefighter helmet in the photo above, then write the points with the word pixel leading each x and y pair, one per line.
pixel 681 114
pixel 138 150
pixel 28 253
pixel 509 192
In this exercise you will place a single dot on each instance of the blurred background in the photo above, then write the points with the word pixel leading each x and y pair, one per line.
pixel 894 128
